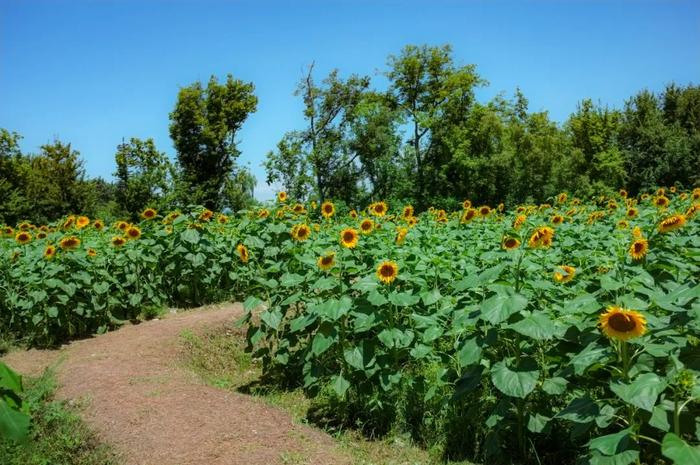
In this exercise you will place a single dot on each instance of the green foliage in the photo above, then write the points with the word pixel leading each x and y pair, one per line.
pixel 204 126
pixel 14 418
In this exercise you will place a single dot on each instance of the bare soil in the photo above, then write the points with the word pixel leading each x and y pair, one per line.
pixel 139 398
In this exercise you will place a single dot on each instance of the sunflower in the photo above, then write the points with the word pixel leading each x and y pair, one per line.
pixel 683 196
pixel 313 205
pixel 149 214
pixel 69 222
pixel 70 242
pixel 441 216
pixel 661 201
pixel 366 226
pixel 23 237
pixel 298 209
pixel 387 272
pixel 172 216
pixel 545 206
pixel 484 210
pixel 520 209
pixel 41 235
pixel 467 204
pixel 242 253
pixel 623 324
pixel 353 214
pixel 632 212
pixel 327 209
pixel 557 220
pixel 510 243
pixel 623 193
pixel 301 232
pixel 349 238
pixel 564 274
pixel 408 211
pixel 82 221
pixel 222 219
pixel 121 225
pixel 317 227
pixel 206 215
pixel 282 196
pixel 91 252
pixel 623 224
pixel 612 205
pixel 133 232
pixel 118 241
pixel 541 237
pixel 692 210
pixel 561 198
pixel 379 208
pixel 263 213
pixel 661 191
pixel 501 206
pixel 518 221
pixel 696 194
pixel 99 225
pixel 672 223
pixel 639 248
pixel 468 215
pixel 327 261
pixel 401 233
pixel 412 221
pixel 49 251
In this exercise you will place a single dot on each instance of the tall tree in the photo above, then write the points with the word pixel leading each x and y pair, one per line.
pixel 144 176
pixel 204 126
pixel 11 200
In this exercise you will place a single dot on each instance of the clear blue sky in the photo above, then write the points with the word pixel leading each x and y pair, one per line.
pixel 94 72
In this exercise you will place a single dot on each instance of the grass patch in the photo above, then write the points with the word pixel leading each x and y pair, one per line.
pixel 59 436
pixel 218 357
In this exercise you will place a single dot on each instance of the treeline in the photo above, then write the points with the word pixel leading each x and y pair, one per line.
pixel 426 140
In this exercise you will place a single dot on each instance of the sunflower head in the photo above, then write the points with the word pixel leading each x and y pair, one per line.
pixel 541 237
pixel 696 194
pixel 263 213
pixel 564 274
pixel 561 198
pixel 387 271
pixel 672 223
pixel 661 201
pixel 639 248
pixel 82 221
pixel 69 222
pixel 206 215
pixel 23 237
pixel 510 243
pixel 349 238
pixel 353 214
pixel 8 231
pixel 468 215
pixel 379 208
pixel 121 225
pixel 632 212
pixel 327 209
pixel 366 226
pixel 49 252
pixel 41 235
pixel 70 242
pixel 149 214
pixel 412 221
pixel 557 220
pixel 99 225
pixel 222 219
pixel 401 233
pixel 242 251
pixel 623 224
pixel 298 209
pixel 622 324
pixel 407 212
pixel 133 232
pixel 91 252
pixel 327 261
pixel 484 211
pixel 301 232
pixel 518 221
pixel 623 193
pixel 692 210
pixel 282 196
pixel 467 204
pixel 118 241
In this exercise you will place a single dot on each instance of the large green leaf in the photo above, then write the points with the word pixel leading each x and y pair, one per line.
pixel 469 353
pixel 500 307
pixel 517 382
pixel 14 424
pixel 642 392
pixel 536 325
pixel 680 451
pixel 612 444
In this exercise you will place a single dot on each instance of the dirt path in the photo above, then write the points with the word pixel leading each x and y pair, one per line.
pixel 154 412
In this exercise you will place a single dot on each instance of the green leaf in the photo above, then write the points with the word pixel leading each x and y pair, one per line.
pixel 680 451
pixel 536 326
pixel 554 386
pixel 376 299
pixel 324 338
pixel 361 356
pixel 580 410
pixel 536 423
pixel 612 444
pixel 14 424
pixel 593 353
pixel 624 458
pixel 340 385
pixel 469 353
pixel 403 299
pixel 190 235
pixel 642 392
pixel 430 297
pixel 500 307
pixel 333 309
pixel 291 280
pixel 659 419
pixel 518 382
pixel 9 379
pixel 251 303
pixel 272 318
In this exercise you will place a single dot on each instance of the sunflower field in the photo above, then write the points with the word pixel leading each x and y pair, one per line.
pixel 567 332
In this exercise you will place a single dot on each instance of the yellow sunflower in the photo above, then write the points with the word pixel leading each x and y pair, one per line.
pixel 623 193
pixel 298 209
pixel 407 212
pixel 561 198
pixel 387 272
pixel 301 232
pixel 327 209
pixel 222 219
pixel 118 241
pixel 242 253
pixel 541 237
pixel 99 225
pixel 8 231
pixel 41 235
pixel 49 252
pixel 623 224
pixel 121 225
pixel 24 226
pixel 401 233
pixel 564 274
pixel 282 196
pixel 206 215
pixel 672 223
pixel 637 232
pixel 133 232
pixel 263 213
pixel 484 210
pixel 639 248
pixel 353 214
pixel 632 212
pixel 467 204
pixel 366 226
pixel 313 205
pixel 82 221
pixel 327 261
pixel 379 208
pixel 349 238
pixel 70 242
pixel 510 243
pixel 518 221
pixel 23 237
pixel 149 214
pixel 69 222
pixel 557 220
pixel 661 201
pixel 412 221
pixel 468 215
pixel 91 252
pixel 622 324
pixel 692 210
